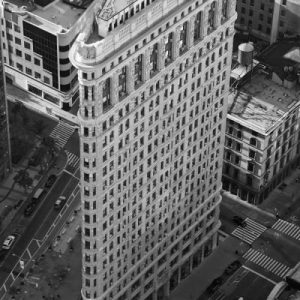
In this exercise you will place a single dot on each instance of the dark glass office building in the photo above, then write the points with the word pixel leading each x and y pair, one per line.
pixel 5 157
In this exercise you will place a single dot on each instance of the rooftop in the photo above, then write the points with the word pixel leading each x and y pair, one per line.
pixel 261 102
pixel 280 55
pixel 56 12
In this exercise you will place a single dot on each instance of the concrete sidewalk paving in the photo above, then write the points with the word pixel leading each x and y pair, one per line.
pixel 68 232
pixel 285 202
pixel 54 276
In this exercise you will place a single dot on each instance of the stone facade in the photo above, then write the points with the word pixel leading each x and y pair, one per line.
pixel 152 144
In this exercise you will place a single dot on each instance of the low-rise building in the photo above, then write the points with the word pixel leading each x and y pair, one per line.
pixel 36 38
pixel 262 131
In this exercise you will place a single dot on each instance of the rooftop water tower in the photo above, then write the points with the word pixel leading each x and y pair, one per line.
pixel 245 54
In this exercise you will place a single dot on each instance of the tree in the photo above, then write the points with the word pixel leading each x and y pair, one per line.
pixel 23 179
pixel 38 126
pixel 49 142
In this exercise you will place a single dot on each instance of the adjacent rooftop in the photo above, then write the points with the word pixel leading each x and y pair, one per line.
pixel 63 13
pixel 262 102
pixel 270 90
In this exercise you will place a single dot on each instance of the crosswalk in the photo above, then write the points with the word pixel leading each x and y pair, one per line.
pixel 61 133
pixel 250 232
pixel 73 160
pixel 266 262
pixel 287 228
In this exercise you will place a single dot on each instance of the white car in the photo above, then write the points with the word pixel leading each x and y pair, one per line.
pixel 8 242
pixel 59 202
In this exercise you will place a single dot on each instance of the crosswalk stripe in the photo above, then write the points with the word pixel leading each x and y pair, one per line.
pixel 73 160
pixel 255 224
pixel 266 262
pixel 287 228
pixel 250 232
pixel 61 133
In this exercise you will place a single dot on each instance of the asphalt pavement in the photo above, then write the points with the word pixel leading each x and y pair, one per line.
pixel 249 285
pixel 40 222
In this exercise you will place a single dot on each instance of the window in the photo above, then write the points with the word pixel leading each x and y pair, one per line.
pixel 17 41
pixel 250 166
pixel 26 45
pixel 46 80
pixel 28 71
pixel 253 141
pixel 18 52
pixel 37 62
pixel 27 57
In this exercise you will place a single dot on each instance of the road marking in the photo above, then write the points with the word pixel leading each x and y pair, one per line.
pixel 50 211
pixel 249 233
pixel 287 228
pixel 61 133
pixel 266 262
pixel 260 275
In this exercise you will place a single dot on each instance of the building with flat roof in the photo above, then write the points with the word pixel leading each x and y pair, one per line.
pixel 269 20
pixel 36 38
pixel 262 133
pixel 5 153
pixel 154 78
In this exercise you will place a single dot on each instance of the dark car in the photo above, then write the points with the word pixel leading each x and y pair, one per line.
pixel 214 286
pixel 29 209
pixel 233 267
pixel 239 221
pixel 50 181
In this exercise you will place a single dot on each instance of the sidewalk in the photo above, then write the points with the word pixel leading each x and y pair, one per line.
pixel 53 277
pixel 285 202
pixel 195 285
pixel 33 102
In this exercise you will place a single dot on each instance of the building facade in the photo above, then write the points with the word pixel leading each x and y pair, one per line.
pixel 154 79
pixel 269 20
pixel 5 153
pixel 262 133
pixel 36 42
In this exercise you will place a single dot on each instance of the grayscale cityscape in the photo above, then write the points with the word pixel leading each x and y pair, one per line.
pixel 150 150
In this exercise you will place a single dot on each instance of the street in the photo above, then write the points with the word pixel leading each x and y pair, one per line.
pixel 40 223
pixel 39 230
pixel 269 248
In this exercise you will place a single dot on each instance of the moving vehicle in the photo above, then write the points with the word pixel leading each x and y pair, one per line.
pixel 239 221
pixel 59 203
pixel 8 242
pixel 37 195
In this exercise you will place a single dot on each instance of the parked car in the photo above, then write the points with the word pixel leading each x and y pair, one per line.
pixel 8 242
pixel 50 181
pixel 233 267
pixel 29 209
pixel 239 221
pixel 59 203
pixel 214 286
